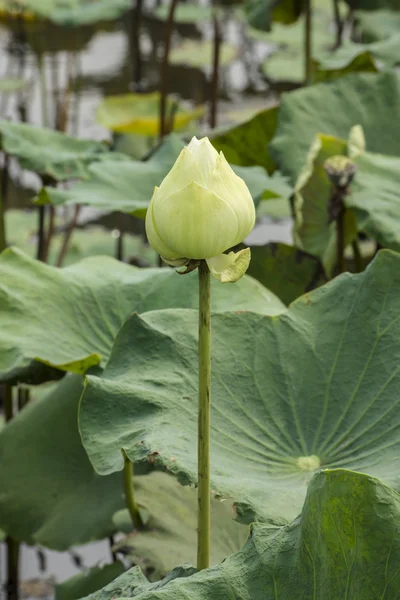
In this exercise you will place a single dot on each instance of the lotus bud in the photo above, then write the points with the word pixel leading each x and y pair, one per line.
pixel 201 209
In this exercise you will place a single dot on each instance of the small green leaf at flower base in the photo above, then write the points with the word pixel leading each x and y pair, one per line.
pixel 229 268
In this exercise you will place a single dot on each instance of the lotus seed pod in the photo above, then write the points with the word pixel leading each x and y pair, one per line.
pixel 201 208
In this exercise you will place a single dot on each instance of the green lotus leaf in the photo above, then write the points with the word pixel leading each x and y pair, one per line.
pixel 139 113
pixel 246 144
pixel 312 230
pixel 333 108
pixel 288 271
pixel 374 5
pixel 374 198
pixel 200 54
pixel 377 25
pixel 66 12
pixel 128 186
pixel 358 57
pixel 345 544
pixel 290 393
pixel 61 156
pixel 185 13
pixel 89 581
pixel 85 304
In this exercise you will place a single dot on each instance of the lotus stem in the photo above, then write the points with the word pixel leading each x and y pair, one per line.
pixel 340 241
pixel 130 493
pixel 165 69
pixel 357 256
pixel 338 24
pixel 3 200
pixel 203 531
pixel 215 75
pixel 308 42
pixel 136 23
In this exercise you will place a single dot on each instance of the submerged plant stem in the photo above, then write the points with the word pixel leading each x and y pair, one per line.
pixel 203 531
pixel 130 493
pixel 308 42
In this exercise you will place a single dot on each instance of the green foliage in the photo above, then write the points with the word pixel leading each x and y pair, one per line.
pixel 90 581
pixel 290 393
pixel 85 304
pixel 333 108
pixel 128 186
pixel 377 25
pixel 68 12
pixel 288 271
pixel 60 157
pixel 345 544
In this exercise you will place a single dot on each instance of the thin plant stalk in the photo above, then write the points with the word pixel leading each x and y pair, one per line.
pixel 308 42
pixel 40 252
pixel 130 493
pixel 67 236
pixel 11 544
pixel 340 246
pixel 357 255
pixel 215 75
pixel 164 76
pixel 137 63
pixel 41 234
pixel 111 542
pixel 203 527
pixel 3 201
pixel 339 24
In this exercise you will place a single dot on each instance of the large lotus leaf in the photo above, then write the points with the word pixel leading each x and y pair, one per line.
pixel 49 492
pixel 139 113
pixel 377 25
pixel 374 198
pixel 200 54
pixel 288 271
pixel 345 544
pixel 261 13
pixel 333 108
pixel 128 186
pixel 88 581
pixel 171 531
pixel 313 386
pixel 67 12
pixel 85 304
pixel 50 152
pixel 246 144
pixel 312 231
pixel 373 5
pixel 358 57
pixel 21 228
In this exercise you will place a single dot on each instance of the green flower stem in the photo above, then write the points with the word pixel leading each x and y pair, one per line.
pixel 308 42
pixel 130 492
pixel 203 532
pixel 357 256
pixel 3 243
pixel 340 247
pixel 3 201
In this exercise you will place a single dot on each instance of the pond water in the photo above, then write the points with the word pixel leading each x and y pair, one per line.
pixel 90 63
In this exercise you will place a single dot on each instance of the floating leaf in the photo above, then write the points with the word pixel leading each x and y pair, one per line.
pixel 333 108
pixel 89 581
pixel 345 544
pixel 287 270
pixel 314 386
pixel 140 113
pixel 85 304
pixel 200 54
pixel 61 156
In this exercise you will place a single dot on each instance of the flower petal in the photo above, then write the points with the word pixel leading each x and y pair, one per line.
pixel 153 237
pixel 231 267
pixel 205 156
pixel 235 192
pixel 195 222
pixel 183 172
